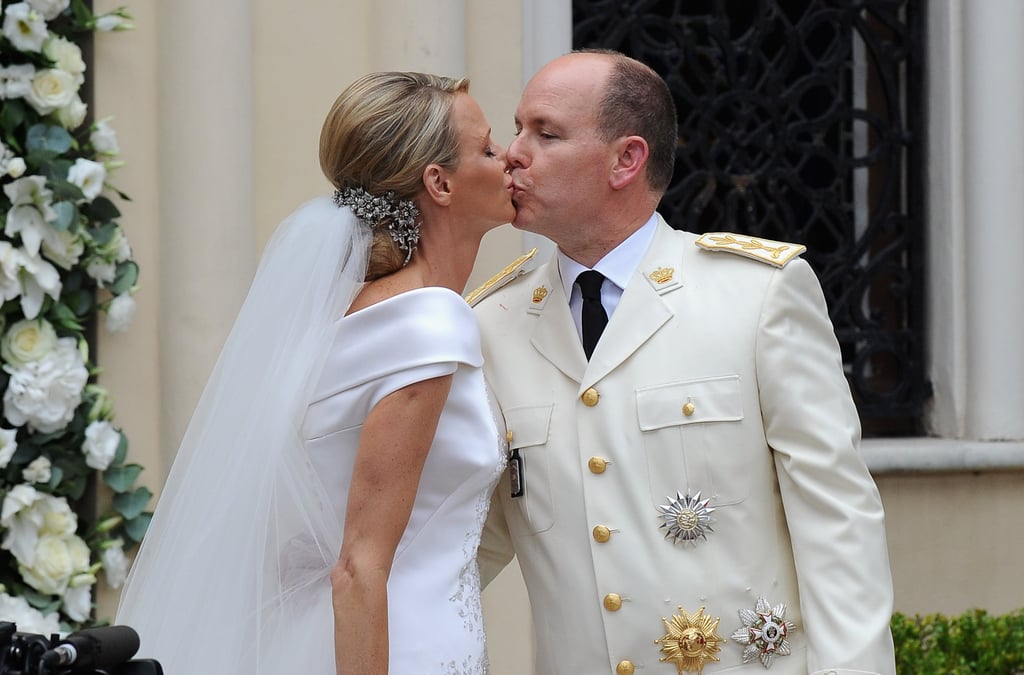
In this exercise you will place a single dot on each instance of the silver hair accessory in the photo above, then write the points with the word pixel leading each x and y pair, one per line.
pixel 404 226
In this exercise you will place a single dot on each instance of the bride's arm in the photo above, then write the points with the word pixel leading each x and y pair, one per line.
pixel 392 450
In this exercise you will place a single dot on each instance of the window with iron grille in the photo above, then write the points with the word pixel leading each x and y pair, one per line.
pixel 800 120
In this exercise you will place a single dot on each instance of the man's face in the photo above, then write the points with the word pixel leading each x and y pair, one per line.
pixel 560 166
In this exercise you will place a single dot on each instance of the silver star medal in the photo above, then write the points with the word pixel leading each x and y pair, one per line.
pixel 764 632
pixel 687 518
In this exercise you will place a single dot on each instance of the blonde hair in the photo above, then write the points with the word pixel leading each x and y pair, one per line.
pixel 380 134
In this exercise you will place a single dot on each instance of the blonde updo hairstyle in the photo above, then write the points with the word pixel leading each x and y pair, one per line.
pixel 381 133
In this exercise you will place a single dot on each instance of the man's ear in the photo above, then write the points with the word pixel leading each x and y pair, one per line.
pixel 435 182
pixel 631 158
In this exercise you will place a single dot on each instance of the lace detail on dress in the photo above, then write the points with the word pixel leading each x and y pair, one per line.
pixel 467 597
pixel 469 666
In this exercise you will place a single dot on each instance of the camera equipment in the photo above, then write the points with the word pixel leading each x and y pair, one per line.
pixel 93 651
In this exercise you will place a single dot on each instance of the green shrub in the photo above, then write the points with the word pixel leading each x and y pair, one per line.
pixel 973 643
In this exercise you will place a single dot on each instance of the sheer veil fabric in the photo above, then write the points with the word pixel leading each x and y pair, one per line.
pixel 232 576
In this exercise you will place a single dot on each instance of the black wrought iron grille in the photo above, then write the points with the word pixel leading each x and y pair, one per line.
pixel 799 120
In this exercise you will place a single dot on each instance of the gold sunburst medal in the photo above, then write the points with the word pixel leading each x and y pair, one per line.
pixel 690 641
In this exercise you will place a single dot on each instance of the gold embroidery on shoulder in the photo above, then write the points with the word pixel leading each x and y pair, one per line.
pixel 509 269
pixel 777 253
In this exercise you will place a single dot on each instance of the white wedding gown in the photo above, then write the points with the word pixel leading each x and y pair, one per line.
pixel 434 610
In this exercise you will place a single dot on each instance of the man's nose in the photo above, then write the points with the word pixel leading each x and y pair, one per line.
pixel 514 156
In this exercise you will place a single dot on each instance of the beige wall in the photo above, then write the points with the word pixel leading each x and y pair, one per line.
pixel 953 537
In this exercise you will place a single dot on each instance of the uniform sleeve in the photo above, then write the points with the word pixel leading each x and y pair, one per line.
pixel 832 505
pixel 495 551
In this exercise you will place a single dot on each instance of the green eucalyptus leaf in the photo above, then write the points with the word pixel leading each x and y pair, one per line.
pixel 12 114
pixel 74 486
pixel 79 301
pixel 67 214
pixel 24 454
pixel 62 189
pixel 132 504
pixel 63 316
pixel 136 527
pixel 102 235
pixel 125 277
pixel 49 138
pixel 122 478
pixel 56 476
pixel 122 449
pixel 102 210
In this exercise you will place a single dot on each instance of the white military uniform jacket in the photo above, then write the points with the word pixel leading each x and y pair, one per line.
pixel 716 374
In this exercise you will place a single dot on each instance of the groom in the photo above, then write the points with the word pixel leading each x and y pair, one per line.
pixel 684 492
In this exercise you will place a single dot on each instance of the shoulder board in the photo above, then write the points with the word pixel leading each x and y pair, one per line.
pixel 510 272
pixel 776 253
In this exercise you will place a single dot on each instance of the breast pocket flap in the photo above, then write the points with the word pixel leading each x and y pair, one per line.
pixel 528 425
pixel 714 399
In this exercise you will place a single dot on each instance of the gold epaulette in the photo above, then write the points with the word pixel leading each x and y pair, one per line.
pixel 510 272
pixel 776 253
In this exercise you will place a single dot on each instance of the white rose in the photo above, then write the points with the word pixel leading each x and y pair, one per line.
pixel 44 394
pixel 16 167
pixel 73 114
pixel 16 80
pixel 66 55
pixel 51 90
pixel 28 340
pixel 64 248
pixel 89 176
pixel 115 565
pixel 120 313
pixel 50 9
pixel 24 27
pixel 78 598
pixel 8 445
pixel 58 557
pixel 100 446
pixel 28 513
pixel 28 619
pixel 38 471
pixel 104 138
pixel 23 517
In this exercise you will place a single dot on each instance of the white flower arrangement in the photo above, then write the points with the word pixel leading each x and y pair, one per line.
pixel 64 262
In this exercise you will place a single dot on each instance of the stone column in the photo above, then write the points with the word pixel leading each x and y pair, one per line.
pixel 423 35
pixel 993 237
pixel 206 240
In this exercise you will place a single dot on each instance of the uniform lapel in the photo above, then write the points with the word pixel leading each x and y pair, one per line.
pixel 642 311
pixel 555 335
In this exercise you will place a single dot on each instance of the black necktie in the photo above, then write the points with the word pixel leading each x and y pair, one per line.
pixel 594 316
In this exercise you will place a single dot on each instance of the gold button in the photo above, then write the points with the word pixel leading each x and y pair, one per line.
pixel 612 602
pixel 590 397
pixel 602 534
pixel 597 464
pixel 508 437
pixel 688 408
pixel 624 668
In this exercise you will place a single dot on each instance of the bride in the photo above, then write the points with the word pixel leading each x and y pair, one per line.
pixel 333 482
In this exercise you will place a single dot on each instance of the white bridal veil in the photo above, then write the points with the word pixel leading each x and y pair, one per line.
pixel 233 574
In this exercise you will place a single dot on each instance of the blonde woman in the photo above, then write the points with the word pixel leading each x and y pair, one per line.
pixel 333 483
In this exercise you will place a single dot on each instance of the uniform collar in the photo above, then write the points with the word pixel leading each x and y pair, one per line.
pixel 618 264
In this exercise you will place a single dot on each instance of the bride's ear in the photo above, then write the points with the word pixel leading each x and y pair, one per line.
pixel 436 184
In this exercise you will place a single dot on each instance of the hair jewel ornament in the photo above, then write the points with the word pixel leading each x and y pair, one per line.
pixel 403 224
